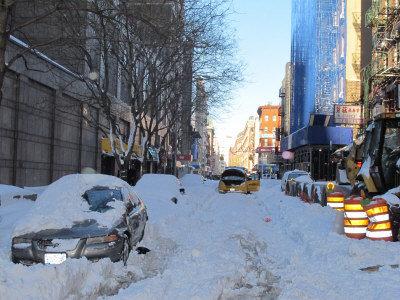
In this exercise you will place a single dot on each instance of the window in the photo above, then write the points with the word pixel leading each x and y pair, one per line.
pixel 266 118
pixel 99 197
pixel 274 118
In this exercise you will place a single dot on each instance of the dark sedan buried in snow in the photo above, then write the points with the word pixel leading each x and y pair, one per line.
pixel 92 216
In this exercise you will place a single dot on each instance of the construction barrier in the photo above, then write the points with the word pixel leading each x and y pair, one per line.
pixel 355 218
pixel 336 201
pixel 380 227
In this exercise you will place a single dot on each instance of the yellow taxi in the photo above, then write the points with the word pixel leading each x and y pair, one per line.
pixel 236 180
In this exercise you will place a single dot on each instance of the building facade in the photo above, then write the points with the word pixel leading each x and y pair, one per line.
pixel 285 93
pixel 48 128
pixel 381 76
pixel 320 30
pixel 200 120
pixel 242 154
pixel 268 147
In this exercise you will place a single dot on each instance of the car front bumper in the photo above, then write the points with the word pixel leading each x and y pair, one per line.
pixel 35 254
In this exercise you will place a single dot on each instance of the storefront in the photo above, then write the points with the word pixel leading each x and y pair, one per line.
pixel 312 147
pixel 109 164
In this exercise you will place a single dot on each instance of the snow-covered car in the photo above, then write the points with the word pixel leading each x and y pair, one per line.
pixel 93 216
pixel 291 175
pixel 9 193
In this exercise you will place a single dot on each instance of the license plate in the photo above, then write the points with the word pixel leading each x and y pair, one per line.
pixel 54 258
pixel 232 190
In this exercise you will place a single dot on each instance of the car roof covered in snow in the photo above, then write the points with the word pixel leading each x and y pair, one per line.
pixel 10 189
pixel 62 204
pixel 296 171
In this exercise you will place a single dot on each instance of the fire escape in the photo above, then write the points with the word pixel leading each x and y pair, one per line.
pixel 381 77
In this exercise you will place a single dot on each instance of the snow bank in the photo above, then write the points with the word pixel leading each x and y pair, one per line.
pixel 342 177
pixel 61 204
pixel 390 196
pixel 213 246
pixel 157 190
pixel 9 194
pixel 192 180
pixel 304 179
pixel 9 189
pixel 163 187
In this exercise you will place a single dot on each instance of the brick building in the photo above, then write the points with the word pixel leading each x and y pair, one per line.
pixel 269 121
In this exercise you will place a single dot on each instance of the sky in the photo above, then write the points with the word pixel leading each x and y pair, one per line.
pixel 263 37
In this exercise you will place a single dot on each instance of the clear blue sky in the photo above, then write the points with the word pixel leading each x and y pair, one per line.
pixel 263 36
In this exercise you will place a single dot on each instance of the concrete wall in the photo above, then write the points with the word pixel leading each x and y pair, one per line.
pixel 43 135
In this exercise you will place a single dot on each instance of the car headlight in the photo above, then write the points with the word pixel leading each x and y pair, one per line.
pixel 102 239
pixel 21 243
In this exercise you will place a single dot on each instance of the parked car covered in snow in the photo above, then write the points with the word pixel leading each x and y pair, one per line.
pixel 9 194
pixel 93 216
pixel 236 180
pixel 290 175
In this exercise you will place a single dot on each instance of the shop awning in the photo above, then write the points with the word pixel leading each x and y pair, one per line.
pixel 106 147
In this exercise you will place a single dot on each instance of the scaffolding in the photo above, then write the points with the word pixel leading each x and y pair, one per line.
pixel 315 32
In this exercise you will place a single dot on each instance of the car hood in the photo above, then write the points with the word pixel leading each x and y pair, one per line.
pixel 86 229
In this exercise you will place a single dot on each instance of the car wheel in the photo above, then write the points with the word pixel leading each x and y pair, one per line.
pixel 125 251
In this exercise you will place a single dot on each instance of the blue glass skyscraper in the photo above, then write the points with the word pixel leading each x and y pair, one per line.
pixel 315 71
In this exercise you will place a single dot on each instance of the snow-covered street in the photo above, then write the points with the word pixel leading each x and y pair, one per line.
pixel 217 246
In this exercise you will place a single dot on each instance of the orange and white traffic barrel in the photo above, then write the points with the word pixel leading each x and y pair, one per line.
pixel 336 201
pixel 355 218
pixel 380 226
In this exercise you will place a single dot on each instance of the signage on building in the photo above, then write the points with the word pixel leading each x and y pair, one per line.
pixel 265 149
pixel 348 114
pixel 184 157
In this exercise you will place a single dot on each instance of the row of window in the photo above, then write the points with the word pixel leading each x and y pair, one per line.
pixel 266 118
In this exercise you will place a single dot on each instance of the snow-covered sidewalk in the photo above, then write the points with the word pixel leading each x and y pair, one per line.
pixel 214 246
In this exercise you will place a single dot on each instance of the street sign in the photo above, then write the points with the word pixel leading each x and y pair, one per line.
pixel 348 114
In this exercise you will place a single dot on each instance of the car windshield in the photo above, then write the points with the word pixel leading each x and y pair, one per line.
pixel 99 198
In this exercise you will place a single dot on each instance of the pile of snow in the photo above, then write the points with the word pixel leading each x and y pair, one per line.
pixel 342 176
pixel 10 194
pixel 157 192
pixel 303 180
pixel 391 196
pixel 36 189
pixel 160 186
pixel 61 204
pixel 192 180
pixel 10 189
pixel 213 246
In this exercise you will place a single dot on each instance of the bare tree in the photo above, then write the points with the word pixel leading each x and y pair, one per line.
pixel 32 23
pixel 138 52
